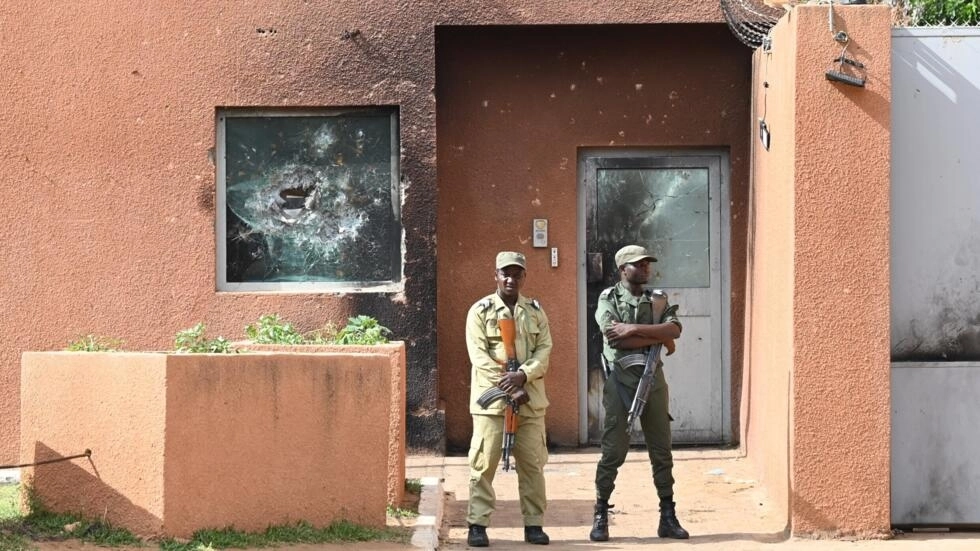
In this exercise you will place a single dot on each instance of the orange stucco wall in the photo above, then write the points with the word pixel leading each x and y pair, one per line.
pixel 817 388
pixel 516 104
pixel 396 421
pixel 112 404
pixel 769 268
pixel 184 442
pixel 108 207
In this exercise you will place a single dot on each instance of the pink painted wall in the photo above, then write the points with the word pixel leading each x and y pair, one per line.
pixel 184 442
pixel 829 370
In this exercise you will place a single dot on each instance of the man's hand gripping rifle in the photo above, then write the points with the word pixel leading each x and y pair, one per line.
pixel 492 394
pixel 660 310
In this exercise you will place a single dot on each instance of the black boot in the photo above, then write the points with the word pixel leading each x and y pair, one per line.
pixel 600 522
pixel 535 535
pixel 477 536
pixel 669 526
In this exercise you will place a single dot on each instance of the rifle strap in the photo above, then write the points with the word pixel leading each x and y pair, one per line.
pixel 624 393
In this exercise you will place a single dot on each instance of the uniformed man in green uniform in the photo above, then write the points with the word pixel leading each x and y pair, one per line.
pixel 625 314
pixel 525 387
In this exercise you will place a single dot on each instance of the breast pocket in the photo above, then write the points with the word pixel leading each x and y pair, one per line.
pixel 531 332
pixel 495 342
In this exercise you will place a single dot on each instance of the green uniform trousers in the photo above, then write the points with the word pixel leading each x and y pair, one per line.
pixel 531 453
pixel 655 423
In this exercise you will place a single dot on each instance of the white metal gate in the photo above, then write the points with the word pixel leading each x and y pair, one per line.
pixel 935 277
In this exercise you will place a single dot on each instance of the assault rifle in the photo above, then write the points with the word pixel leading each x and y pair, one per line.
pixel 660 310
pixel 492 394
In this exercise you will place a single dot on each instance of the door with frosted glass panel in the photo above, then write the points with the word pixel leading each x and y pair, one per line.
pixel 672 204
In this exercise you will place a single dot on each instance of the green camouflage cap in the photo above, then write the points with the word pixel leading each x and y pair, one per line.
pixel 632 253
pixel 510 258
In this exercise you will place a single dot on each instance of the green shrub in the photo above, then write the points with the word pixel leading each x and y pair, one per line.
pixel 324 335
pixel 95 343
pixel 943 12
pixel 363 330
pixel 193 341
pixel 271 330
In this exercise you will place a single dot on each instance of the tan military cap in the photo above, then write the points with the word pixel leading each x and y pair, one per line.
pixel 510 258
pixel 632 253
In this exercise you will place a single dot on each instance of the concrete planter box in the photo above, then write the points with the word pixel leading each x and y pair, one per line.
pixel 182 442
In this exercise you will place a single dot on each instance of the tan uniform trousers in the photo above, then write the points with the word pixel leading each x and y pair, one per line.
pixel 530 452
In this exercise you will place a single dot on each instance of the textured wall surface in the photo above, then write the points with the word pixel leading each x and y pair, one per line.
pixel 184 442
pixel 833 383
pixel 395 353
pixel 841 308
pixel 515 106
pixel 115 406
pixel 769 267
pixel 107 193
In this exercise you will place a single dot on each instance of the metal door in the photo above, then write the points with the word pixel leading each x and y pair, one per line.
pixel 674 204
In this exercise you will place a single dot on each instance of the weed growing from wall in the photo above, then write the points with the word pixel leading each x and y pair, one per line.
pixel 95 343
pixel 194 341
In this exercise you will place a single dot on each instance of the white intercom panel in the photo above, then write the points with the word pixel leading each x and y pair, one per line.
pixel 539 232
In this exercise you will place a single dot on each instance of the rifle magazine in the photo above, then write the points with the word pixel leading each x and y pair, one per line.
pixel 490 396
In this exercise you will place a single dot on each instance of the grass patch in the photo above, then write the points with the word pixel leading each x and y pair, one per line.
pixel 13 542
pixel 9 501
pixel 413 486
pixel 17 531
pixel 45 526
pixel 402 512
pixel 10 539
pixel 301 532
pixel 409 507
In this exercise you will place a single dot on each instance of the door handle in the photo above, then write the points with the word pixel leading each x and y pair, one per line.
pixel 593 267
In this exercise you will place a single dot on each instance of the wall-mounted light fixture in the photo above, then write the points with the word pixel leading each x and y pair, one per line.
pixel 839 74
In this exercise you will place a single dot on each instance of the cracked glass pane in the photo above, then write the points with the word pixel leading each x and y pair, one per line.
pixel 311 198
pixel 664 209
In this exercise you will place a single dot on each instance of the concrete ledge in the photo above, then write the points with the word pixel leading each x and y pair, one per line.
pixel 431 507
pixel 182 442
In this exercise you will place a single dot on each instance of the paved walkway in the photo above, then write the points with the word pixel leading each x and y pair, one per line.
pixel 719 503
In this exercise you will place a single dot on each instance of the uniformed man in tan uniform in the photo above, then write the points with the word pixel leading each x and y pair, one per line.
pixel 629 325
pixel 525 387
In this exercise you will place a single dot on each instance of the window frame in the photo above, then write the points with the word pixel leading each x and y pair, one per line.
pixel 222 284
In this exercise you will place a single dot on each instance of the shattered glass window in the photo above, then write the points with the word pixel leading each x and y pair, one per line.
pixel 308 198
pixel 664 209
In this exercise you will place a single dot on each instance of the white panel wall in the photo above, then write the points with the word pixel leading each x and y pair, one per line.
pixel 935 199
pixel 935 277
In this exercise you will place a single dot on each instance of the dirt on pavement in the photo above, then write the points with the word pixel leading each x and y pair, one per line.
pixel 718 501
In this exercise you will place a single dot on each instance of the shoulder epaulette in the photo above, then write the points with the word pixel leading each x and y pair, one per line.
pixel 484 304
pixel 605 294
pixel 536 304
